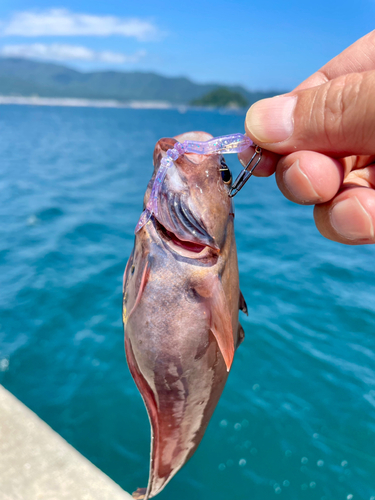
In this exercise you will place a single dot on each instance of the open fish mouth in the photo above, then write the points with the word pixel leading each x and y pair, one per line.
pixel 186 248
pixel 177 224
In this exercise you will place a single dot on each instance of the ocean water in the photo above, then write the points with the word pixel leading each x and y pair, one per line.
pixel 297 417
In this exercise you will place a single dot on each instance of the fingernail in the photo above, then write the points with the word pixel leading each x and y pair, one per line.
pixel 271 120
pixel 299 185
pixel 350 220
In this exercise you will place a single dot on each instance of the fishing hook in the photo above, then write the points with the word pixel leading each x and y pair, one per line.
pixel 246 173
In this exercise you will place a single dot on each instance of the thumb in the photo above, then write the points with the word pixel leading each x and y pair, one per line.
pixel 336 118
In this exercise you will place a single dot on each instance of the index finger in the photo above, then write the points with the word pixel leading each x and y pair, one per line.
pixel 358 57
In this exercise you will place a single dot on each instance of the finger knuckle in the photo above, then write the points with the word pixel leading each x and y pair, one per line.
pixel 338 101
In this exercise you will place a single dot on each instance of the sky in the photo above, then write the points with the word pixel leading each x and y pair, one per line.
pixel 260 45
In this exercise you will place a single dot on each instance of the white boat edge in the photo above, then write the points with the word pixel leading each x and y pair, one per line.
pixel 36 463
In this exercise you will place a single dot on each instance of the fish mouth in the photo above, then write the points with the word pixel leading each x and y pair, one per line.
pixel 183 247
pixel 180 228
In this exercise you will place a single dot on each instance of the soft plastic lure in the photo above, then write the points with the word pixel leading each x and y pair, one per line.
pixel 233 143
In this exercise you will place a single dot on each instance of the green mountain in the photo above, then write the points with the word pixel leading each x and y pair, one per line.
pixel 221 98
pixel 25 77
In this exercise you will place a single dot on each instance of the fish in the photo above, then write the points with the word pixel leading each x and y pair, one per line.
pixel 181 302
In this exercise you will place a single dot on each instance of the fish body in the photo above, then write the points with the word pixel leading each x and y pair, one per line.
pixel 180 307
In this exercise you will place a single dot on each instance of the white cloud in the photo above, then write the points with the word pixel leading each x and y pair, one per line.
pixel 63 52
pixel 62 22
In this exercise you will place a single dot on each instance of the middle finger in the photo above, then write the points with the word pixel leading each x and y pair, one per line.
pixel 308 178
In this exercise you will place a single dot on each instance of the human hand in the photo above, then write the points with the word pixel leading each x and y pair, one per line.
pixel 324 131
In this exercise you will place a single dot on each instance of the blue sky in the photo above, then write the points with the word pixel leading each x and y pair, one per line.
pixel 261 45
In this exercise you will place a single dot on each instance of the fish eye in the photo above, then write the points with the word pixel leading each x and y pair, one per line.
pixel 226 174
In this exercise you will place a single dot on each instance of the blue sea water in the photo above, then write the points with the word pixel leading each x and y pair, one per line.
pixel 297 417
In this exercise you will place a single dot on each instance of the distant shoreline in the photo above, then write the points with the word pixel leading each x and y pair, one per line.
pixel 85 103
pixel 105 103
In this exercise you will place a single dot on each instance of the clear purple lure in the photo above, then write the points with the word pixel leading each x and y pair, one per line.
pixel 234 143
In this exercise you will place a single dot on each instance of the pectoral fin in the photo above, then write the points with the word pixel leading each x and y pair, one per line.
pixel 242 306
pixel 219 316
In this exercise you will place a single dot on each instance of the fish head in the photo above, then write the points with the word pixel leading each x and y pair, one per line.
pixel 193 202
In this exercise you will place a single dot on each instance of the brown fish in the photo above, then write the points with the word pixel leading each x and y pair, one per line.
pixel 180 306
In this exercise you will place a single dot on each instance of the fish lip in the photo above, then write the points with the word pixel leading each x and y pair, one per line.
pixel 168 236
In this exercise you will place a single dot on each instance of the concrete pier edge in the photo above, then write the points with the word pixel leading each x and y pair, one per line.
pixel 36 463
